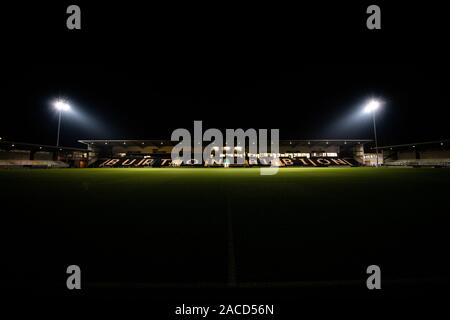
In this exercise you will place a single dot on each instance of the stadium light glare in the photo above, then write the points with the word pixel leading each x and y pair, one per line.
pixel 372 106
pixel 61 106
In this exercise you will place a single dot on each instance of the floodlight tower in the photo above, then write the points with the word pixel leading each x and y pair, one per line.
pixel 371 107
pixel 61 106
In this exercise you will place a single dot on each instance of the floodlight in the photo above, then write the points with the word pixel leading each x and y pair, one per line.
pixel 373 105
pixel 61 105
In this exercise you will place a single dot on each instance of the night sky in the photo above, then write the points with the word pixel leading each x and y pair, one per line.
pixel 132 73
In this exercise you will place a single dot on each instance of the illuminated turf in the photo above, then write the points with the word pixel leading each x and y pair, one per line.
pixel 173 224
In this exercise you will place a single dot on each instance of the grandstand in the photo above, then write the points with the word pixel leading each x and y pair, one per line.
pixel 150 153
pixel 157 153
pixel 422 154
pixel 17 154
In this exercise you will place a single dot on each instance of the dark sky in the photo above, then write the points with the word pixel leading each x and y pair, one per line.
pixel 139 73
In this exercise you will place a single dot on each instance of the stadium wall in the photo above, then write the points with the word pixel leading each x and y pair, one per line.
pixel 434 153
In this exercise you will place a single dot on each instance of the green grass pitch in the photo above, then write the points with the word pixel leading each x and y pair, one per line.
pixel 216 225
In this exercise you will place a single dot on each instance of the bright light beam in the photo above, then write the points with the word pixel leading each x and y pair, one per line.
pixel 372 106
pixel 61 105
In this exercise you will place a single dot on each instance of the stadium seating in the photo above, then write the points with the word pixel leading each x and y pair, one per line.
pixel 32 164
pixel 134 162
pixel 419 163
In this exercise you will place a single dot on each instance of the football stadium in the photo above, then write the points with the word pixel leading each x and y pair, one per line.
pixel 142 220
pixel 186 161
pixel 137 221
pixel 139 218
pixel 292 153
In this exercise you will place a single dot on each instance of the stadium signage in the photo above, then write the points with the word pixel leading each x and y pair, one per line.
pixel 257 140
pixel 253 161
